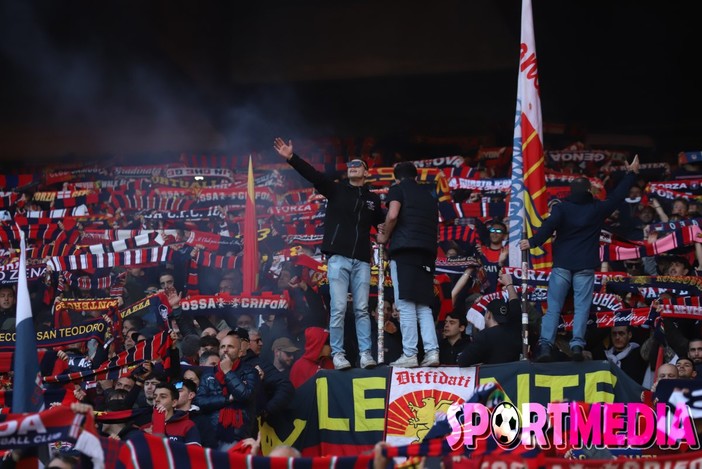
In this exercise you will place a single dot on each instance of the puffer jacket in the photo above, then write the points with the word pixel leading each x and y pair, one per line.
pixel 233 417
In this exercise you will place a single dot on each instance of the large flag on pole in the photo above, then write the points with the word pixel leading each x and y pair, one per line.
pixel 250 236
pixel 27 393
pixel 528 198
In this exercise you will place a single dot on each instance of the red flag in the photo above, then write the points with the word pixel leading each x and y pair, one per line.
pixel 528 197
pixel 250 237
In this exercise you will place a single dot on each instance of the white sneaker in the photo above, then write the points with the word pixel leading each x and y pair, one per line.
pixel 340 362
pixel 367 360
pixel 431 359
pixel 405 362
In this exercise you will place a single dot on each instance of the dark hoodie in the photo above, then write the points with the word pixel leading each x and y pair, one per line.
pixel 306 367
pixel 577 222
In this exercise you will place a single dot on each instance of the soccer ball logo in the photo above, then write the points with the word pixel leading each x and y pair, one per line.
pixel 505 424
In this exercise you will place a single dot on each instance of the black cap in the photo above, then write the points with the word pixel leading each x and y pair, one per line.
pixel 498 308
pixel 242 333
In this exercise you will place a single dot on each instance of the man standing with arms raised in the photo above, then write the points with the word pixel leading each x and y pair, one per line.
pixel 577 222
pixel 351 211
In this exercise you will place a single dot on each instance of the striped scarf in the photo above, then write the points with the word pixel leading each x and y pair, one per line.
pixel 135 257
pixel 152 201
pixel 151 349
pixel 465 234
pixel 685 236
pixel 141 240
pixel 146 451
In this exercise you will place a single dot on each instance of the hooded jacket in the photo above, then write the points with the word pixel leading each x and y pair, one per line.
pixel 577 222
pixel 306 367
pixel 351 211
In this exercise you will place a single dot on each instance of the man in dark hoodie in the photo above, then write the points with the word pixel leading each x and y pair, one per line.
pixel 577 222
pixel 351 211
pixel 316 356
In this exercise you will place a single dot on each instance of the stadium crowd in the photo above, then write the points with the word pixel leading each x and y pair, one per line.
pixel 141 268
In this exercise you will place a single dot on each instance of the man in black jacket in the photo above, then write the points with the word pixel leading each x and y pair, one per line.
pixel 351 211
pixel 411 227
pixel 577 222
pixel 500 341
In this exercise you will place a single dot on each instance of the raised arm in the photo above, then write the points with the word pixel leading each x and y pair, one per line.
pixel 323 183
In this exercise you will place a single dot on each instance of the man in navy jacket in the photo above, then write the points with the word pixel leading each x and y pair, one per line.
pixel 577 222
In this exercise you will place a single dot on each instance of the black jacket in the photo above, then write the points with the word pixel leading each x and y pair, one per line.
pixel 351 211
pixel 577 224
pixel 417 223
pixel 276 391
pixel 448 354
pixel 498 344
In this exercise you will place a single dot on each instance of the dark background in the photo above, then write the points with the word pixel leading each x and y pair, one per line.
pixel 136 79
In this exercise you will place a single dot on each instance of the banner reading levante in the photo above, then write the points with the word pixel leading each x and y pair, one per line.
pixel 345 413
pixel 332 413
pixel 589 381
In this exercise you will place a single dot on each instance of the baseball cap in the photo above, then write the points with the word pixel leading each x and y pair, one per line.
pixel 284 344
pixel 498 308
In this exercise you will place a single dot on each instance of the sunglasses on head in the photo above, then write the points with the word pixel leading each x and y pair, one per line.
pixel 496 230
pixel 355 164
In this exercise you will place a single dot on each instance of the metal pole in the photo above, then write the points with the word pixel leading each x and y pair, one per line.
pixel 525 312
pixel 380 262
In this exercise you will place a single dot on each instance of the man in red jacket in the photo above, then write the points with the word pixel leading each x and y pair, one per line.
pixel 174 424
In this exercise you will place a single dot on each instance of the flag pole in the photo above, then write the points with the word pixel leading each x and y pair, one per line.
pixel 378 258
pixel 525 311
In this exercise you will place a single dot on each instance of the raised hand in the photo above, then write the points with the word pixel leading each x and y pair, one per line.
pixel 174 297
pixel 284 149
pixel 634 166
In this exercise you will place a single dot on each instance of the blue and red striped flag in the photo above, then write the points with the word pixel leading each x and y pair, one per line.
pixel 528 197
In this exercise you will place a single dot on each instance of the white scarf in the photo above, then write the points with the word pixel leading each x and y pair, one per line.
pixel 618 357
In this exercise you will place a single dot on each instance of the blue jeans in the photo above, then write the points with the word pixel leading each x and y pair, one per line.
pixel 342 272
pixel 410 314
pixel 559 283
